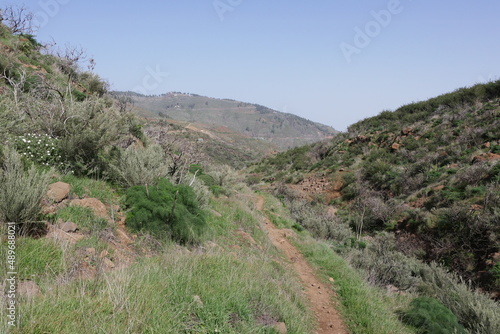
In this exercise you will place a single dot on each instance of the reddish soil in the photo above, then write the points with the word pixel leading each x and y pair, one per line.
pixel 320 296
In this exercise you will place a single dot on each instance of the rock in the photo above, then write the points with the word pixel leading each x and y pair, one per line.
pixel 28 289
pixel 245 237
pixel 68 227
pixel 59 235
pixel 58 191
pixel 96 205
pixel 280 327
pixel 107 264
pixel 407 131
pixel 197 300
pixel 90 251
pixel 487 145
pixel 395 146
pixel 331 279
pixel 485 157
pixel 103 254
pixel 216 214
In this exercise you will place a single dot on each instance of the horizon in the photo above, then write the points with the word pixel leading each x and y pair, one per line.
pixel 331 63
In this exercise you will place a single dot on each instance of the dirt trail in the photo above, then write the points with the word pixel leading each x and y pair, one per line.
pixel 319 295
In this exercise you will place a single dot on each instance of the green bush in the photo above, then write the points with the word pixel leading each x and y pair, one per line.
pixel 20 191
pixel 141 166
pixel 165 210
pixel 430 316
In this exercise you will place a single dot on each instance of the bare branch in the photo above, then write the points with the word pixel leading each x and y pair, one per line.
pixel 19 19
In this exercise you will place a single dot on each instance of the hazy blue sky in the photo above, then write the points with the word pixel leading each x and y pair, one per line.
pixel 331 61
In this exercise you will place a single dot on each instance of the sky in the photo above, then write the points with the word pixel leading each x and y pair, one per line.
pixel 330 61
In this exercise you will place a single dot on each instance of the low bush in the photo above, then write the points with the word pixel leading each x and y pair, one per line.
pixel 165 210
pixel 140 166
pixel 430 316
pixel 20 191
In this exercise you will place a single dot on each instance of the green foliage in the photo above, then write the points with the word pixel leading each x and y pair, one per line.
pixel 20 191
pixel 38 257
pixel 165 210
pixel 430 316
pixel 41 149
pixel 139 166
pixel 83 217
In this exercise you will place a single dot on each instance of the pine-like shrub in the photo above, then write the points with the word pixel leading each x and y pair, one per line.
pixel 430 316
pixel 165 210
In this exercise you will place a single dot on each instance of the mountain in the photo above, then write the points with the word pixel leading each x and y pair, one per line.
pixel 428 172
pixel 283 130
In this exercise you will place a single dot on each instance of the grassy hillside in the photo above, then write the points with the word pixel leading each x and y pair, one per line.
pixel 404 191
pixel 429 172
pixel 251 120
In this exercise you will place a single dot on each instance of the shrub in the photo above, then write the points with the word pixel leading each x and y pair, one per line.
pixel 41 149
pixel 475 310
pixel 140 166
pixel 430 316
pixel 20 191
pixel 165 210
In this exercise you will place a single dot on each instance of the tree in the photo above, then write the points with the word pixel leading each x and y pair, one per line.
pixel 19 19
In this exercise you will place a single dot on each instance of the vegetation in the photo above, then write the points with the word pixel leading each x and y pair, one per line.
pixel 165 209
pixel 20 191
pixel 430 316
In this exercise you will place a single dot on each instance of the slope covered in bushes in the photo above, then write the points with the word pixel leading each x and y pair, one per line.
pixel 405 188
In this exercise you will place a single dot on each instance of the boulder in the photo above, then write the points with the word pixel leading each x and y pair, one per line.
pixel 28 289
pixel 280 327
pixel 58 191
pixel 69 227
pixel 96 205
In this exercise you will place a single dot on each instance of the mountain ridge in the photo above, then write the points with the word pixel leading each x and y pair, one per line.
pixel 284 130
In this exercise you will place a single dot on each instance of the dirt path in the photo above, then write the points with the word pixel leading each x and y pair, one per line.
pixel 319 295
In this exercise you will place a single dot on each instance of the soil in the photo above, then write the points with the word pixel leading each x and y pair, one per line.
pixel 320 295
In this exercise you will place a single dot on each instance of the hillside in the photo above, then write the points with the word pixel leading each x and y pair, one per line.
pixel 428 172
pixel 115 223
pixel 250 120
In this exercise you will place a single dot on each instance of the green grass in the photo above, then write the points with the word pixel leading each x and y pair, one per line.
pixel 365 309
pixel 36 258
pixel 85 187
pixel 81 216
pixel 156 296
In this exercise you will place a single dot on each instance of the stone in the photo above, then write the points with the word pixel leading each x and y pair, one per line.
pixel 57 234
pixel 28 289
pixel 280 327
pixel 90 251
pixel 107 264
pixel 69 227
pixel 103 254
pixel 58 191
pixel 395 146
pixel 197 300
pixel 96 205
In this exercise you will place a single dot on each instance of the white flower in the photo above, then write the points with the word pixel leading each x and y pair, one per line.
pixel 24 140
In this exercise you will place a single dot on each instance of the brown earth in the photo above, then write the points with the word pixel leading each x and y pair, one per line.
pixel 319 295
